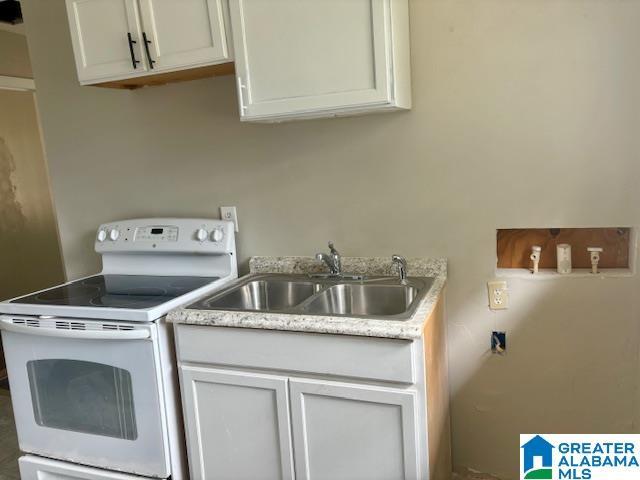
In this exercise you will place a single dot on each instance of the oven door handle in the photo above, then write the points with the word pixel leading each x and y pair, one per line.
pixel 136 334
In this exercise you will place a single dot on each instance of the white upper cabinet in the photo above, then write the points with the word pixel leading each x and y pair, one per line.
pixel 310 58
pixel 120 39
pixel 106 38
pixel 201 38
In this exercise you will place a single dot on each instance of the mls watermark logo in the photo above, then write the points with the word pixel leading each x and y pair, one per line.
pixel 579 457
pixel 536 458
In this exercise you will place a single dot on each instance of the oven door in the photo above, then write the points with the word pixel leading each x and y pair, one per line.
pixel 88 392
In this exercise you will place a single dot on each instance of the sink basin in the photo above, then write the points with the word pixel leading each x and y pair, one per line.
pixel 363 300
pixel 263 295
pixel 348 296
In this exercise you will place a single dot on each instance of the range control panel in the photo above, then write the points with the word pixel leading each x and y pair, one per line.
pixel 156 233
pixel 172 235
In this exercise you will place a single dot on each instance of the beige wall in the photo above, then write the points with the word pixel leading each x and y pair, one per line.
pixel 29 247
pixel 526 114
pixel 14 56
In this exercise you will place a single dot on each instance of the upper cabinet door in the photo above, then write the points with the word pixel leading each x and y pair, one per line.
pixel 346 431
pixel 106 37
pixel 318 58
pixel 185 33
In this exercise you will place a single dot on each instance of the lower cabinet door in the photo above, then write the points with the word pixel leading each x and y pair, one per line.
pixel 237 424
pixel 348 431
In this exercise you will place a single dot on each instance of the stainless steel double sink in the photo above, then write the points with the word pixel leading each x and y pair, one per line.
pixel 368 297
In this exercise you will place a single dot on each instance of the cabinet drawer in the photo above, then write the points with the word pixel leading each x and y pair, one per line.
pixel 369 358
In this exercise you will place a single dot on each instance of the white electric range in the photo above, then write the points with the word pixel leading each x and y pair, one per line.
pixel 91 363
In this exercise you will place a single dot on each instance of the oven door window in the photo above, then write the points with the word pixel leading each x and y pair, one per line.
pixel 83 397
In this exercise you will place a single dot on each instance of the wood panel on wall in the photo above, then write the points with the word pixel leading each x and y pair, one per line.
pixel 514 246
pixel 438 398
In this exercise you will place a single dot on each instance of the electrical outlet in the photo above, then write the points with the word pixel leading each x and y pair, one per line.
pixel 498 295
pixel 230 213
pixel 499 342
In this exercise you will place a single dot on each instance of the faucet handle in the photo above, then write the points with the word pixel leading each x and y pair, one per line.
pixel 399 259
pixel 333 249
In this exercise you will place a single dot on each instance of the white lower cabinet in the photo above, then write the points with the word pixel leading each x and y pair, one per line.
pixel 237 423
pixel 346 431
pixel 239 427
pixel 264 404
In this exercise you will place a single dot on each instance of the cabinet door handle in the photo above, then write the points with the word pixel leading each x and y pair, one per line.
pixel 147 42
pixel 134 62
pixel 241 90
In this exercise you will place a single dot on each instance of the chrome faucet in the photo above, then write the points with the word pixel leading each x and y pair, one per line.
pixel 332 260
pixel 401 263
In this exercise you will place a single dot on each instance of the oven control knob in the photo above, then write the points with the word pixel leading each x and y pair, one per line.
pixel 201 234
pixel 114 235
pixel 217 235
pixel 102 235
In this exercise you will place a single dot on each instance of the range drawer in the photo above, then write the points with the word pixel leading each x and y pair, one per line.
pixel 379 359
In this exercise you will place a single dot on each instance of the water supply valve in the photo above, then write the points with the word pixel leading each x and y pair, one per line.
pixel 535 257
pixel 594 253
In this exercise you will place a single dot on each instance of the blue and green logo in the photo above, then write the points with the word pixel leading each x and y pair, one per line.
pixel 537 459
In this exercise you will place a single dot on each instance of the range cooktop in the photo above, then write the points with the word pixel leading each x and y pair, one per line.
pixel 118 291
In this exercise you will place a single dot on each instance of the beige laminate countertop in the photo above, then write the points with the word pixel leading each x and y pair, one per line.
pixel 369 327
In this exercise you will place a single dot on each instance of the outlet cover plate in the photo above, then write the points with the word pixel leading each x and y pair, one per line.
pixel 498 294
pixel 230 213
